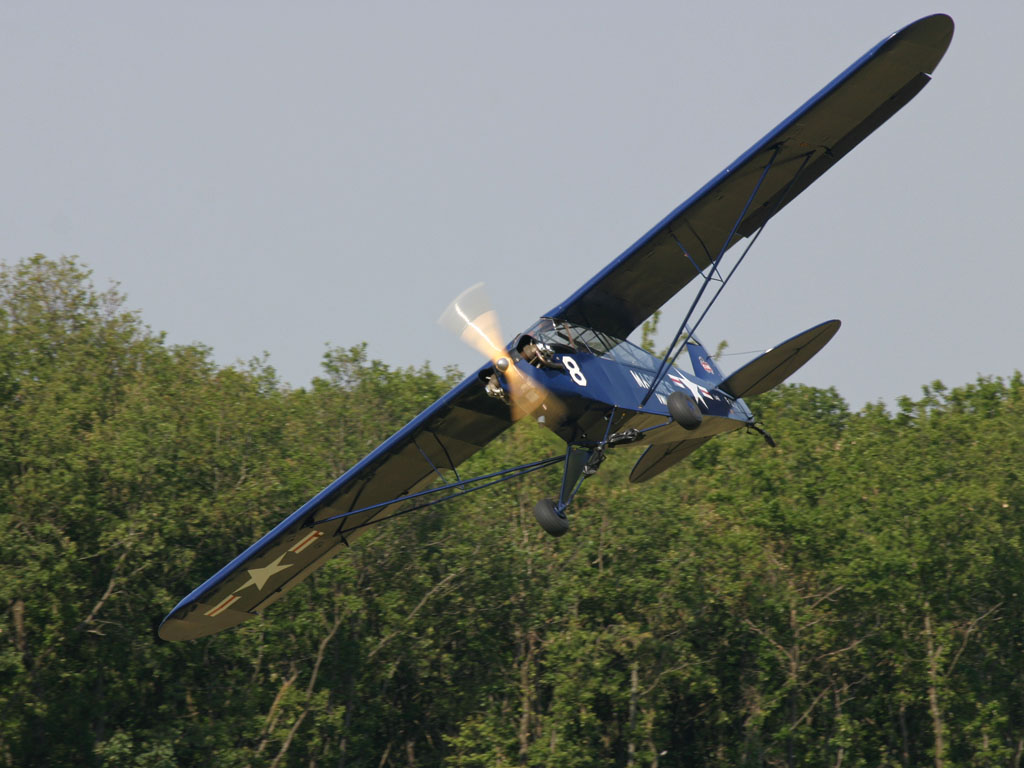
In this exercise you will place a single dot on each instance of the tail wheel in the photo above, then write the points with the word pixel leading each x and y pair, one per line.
pixel 551 518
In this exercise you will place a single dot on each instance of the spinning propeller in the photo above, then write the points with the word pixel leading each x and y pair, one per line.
pixel 472 319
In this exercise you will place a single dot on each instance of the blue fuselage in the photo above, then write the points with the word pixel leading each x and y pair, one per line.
pixel 596 378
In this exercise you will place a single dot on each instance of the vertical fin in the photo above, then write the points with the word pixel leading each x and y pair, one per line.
pixel 703 364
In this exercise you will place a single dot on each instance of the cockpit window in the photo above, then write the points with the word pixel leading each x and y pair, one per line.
pixel 569 337
pixel 553 332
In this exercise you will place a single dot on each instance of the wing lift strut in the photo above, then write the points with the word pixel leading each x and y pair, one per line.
pixel 581 460
pixel 441 493
pixel 713 274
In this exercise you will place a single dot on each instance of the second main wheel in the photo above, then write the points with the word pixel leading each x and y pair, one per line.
pixel 684 410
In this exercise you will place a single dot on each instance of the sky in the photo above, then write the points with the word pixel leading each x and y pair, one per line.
pixel 285 177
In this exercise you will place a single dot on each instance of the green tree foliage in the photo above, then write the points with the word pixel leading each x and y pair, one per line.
pixel 851 598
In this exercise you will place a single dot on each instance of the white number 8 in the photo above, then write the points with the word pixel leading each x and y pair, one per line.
pixel 574 370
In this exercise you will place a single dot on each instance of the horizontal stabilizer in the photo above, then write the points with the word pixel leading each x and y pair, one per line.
pixel 779 363
pixel 658 458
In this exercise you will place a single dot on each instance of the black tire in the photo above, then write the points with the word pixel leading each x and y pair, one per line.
pixel 551 518
pixel 684 410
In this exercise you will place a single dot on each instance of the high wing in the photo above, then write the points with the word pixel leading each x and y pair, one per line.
pixel 441 437
pixel 808 143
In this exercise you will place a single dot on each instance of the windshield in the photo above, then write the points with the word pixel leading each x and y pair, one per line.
pixel 561 334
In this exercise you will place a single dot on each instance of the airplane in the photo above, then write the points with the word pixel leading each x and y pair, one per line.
pixel 574 371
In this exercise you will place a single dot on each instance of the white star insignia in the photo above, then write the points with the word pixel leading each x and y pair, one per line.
pixel 259 576
pixel 695 389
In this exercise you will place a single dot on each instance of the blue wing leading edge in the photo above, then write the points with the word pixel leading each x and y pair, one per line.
pixel 441 437
pixel 577 352
pixel 810 141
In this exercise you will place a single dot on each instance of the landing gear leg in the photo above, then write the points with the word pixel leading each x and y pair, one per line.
pixel 580 463
pixel 551 513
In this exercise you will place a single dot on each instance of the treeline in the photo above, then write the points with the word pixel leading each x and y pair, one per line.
pixel 851 598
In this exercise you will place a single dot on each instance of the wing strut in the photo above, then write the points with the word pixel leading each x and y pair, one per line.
pixel 672 353
pixel 464 486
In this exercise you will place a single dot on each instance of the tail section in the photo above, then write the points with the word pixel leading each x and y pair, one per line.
pixel 657 458
pixel 703 364
pixel 779 363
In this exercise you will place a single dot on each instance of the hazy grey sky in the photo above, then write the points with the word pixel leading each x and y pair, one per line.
pixel 277 176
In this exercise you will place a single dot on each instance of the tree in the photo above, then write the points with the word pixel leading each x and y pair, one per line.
pixel 849 598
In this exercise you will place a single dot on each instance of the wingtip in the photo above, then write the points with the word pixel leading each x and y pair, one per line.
pixel 934 33
pixel 188 623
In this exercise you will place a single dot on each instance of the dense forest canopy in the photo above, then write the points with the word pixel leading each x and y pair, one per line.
pixel 850 598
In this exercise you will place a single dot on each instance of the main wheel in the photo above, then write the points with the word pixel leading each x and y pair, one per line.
pixel 684 410
pixel 551 518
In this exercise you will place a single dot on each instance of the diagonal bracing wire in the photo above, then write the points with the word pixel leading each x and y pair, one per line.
pixel 672 353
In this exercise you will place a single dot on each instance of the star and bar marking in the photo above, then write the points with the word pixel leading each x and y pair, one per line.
pixel 259 577
pixel 699 392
